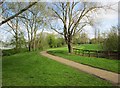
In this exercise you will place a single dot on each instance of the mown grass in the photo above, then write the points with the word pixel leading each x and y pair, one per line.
pixel 32 69
pixel 107 64
pixel 90 46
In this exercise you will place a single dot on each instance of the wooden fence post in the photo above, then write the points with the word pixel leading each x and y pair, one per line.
pixel 83 53
pixel 89 52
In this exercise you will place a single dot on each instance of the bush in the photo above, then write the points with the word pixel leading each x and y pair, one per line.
pixel 111 42
pixel 8 52
pixel 12 51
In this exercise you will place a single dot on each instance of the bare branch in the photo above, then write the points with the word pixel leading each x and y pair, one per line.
pixel 74 4
pixel 1 2
pixel 55 30
pixel 83 13
pixel 80 28
pixel 10 32
pixel 24 18
pixel 21 11
pixel 58 15
pixel 11 27
pixel 58 7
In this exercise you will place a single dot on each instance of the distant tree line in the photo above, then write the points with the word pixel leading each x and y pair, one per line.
pixel 109 41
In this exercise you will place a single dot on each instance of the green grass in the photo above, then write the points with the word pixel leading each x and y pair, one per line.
pixel 32 69
pixel 90 46
pixel 107 64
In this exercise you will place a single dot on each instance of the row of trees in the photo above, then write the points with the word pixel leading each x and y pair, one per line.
pixel 66 18
pixel 109 41
pixel 43 41
pixel 26 24
pixel 51 40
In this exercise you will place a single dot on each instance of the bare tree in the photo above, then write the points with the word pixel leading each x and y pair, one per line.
pixel 14 23
pixel 14 27
pixel 33 22
pixel 25 22
pixel 74 17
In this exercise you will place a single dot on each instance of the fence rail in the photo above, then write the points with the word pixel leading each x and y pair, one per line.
pixel 97 53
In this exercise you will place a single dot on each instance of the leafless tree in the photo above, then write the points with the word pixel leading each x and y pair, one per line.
pixel 74 17
pixel 33 22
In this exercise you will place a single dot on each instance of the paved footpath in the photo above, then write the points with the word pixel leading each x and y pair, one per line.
pixel 107 75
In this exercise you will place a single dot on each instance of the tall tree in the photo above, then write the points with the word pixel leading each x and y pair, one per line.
pixel 14 26
pixel 74 16
pixel 34 20
pixel 13 23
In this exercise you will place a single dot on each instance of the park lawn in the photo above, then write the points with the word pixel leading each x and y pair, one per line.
pixel 90 46
pixel 32 69
pixel 107 64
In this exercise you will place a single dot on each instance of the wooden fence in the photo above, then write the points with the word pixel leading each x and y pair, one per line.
pixel 97 53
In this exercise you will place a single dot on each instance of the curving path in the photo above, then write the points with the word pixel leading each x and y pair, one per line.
pixel 107 75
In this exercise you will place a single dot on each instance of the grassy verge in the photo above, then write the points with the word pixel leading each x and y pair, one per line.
pixel 107 64
pixel 32 69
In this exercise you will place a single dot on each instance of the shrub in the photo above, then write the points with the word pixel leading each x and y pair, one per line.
pixel 111 42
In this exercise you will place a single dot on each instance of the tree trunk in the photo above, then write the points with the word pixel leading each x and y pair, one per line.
pixel 16 43
pixel 29 41
pixel 34 41
pixel 69 43
pixel 16 34
pixel 34 45
pixel 70 47
pixel 29 46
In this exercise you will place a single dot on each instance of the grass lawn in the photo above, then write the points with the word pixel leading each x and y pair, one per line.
pixel 90 46
pixel 107 64
pixel 32 69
